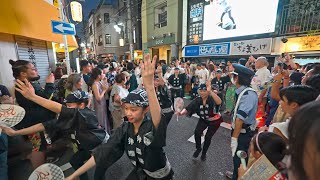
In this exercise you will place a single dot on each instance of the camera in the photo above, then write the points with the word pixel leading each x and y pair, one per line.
pixel 283 66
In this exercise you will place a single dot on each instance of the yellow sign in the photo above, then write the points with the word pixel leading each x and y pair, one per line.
pixel 76 11
pixel 56 3
pixel 307 43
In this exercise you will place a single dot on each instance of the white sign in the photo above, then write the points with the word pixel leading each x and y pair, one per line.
pixel 76 11
pixel 159 41
pixel 250 47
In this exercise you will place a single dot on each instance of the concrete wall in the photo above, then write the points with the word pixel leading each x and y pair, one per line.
pixel 7 51
pixel 174 20
pixel 103 29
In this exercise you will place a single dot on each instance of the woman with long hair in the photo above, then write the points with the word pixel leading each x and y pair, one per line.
pixel 99 100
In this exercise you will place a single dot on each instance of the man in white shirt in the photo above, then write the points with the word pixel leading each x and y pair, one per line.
pixel 204 74
pixel 262 75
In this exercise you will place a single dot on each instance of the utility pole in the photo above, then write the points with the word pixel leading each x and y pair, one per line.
pixel 65 41
pixel 129 29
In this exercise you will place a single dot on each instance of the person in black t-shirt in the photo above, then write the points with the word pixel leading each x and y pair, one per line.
pixel 203 106
pixel 220 82
pixel 76 122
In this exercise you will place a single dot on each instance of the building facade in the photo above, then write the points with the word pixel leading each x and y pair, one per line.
pixel 28 36
pixel 287 26
pixel 161 27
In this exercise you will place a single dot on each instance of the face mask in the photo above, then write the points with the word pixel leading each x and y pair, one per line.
pixel 34 78
pixel 233 81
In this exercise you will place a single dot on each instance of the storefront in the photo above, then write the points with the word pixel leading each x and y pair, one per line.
pixel 28 36
pixel 165 48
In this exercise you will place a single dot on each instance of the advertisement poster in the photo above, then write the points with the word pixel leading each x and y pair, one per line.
pixel 234 18
pixel 249 47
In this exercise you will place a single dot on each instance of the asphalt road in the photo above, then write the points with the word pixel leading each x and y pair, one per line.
pixel 179 151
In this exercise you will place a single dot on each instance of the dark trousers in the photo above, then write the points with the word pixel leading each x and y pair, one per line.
pixel 175 93
pixel 182 91
pixel 243 145
pixel 138 174
pixel 212 126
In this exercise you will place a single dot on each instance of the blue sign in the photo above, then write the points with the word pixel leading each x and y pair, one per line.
pixel 63 28
pixel 220 49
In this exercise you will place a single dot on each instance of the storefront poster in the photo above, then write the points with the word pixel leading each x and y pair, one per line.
pixel 249 47
pixel 221 49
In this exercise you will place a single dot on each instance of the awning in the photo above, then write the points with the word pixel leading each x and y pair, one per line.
pixel 59 48
pixel 31 19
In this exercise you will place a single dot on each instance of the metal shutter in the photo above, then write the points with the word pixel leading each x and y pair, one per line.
pixel 36 52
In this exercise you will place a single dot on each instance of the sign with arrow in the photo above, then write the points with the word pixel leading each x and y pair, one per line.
pixel 63 28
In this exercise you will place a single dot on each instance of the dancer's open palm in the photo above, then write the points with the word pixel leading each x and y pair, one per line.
pixel 148 70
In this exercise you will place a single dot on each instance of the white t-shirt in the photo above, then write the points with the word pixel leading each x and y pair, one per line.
pixel 282 126
pixel 262 76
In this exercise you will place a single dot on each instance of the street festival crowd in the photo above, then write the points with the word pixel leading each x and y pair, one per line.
pixel 111 108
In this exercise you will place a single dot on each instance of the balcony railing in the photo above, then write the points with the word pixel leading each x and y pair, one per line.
pixel 300 18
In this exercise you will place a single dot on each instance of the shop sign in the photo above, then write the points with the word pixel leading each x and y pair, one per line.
pixel 248 47
pixel 220 49
pixel 162 41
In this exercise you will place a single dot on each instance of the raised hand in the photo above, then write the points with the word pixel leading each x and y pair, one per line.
pixel 147 71
pixel 25 88
pixel 50 78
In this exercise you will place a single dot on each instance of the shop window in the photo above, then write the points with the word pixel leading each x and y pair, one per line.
pixel 161 16
pixel 108 39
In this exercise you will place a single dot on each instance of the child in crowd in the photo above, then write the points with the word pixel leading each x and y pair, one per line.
pixel 141 137
pixel 204 106
pixel 75 121
pixel 270 145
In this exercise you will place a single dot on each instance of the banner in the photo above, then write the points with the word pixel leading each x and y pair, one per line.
pixel 250 47
pixel 221 49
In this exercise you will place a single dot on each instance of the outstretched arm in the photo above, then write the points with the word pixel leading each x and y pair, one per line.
pixel 27 90
pixel 148 70
pixel 32 129
pixel 84 168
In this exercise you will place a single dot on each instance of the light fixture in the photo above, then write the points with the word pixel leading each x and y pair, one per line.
pixel 152 37
pixel 82 45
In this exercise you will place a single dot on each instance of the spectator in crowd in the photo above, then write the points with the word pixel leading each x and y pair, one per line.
pixel 262 75
pixel 23 70
pixel 133 79
pixel 292 98
pixel 5 97
pixel 99 90
pixel 314 82
pixel 86 69
pixel 269 144
pixel 313 71
pixel 204 76
pixel 115 105
pixel 304 143
pixel 74 82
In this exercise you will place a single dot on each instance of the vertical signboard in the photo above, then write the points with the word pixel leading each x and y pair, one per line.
pixel 195 21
